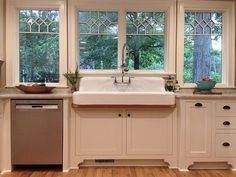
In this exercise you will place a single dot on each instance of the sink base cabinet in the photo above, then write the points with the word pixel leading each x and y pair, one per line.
pixel 207 132
pixel 149 132
pixel 124 134
pixel 99 133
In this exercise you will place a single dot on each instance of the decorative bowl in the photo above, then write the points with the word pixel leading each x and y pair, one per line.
pixel 35 89
pixel 205 85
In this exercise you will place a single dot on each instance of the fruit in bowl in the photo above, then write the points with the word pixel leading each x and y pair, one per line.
pixel 206 84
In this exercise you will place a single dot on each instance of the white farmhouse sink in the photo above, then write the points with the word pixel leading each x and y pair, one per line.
pixel 141 91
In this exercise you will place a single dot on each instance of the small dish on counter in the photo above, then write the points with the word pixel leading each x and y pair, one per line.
pixel 35 89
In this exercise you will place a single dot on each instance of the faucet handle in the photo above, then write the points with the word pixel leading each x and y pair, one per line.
pixel 126 69
pixel 115 80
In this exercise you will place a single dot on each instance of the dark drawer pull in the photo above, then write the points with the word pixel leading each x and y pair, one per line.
pixel 119 115
pixel 226 144
pixel 198 104
pixel 128 115
pixel 226 107
pixel 226 123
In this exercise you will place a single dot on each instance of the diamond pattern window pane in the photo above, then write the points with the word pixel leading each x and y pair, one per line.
pixel 202 46
pixel 145 36
pixel 36 21
pixel 145 23
pixel 206 23
pixel 98 22
pixel 97 43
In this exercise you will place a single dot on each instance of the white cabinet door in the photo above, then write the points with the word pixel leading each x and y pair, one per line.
pixel 1 134
pixel 198 117
pixel 99 132
pixel 149 132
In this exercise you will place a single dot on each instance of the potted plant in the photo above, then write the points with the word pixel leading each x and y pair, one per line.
pixel 73 79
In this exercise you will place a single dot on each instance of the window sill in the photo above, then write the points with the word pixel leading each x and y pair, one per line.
pixel 108 73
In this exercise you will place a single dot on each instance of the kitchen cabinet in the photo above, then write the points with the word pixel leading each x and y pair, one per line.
pixel 225 128
pixel 207 132
pixel 1 133
pixel 149 132
pixel 124 134
pixel 198 117
pixel 99 132
pixel 5 136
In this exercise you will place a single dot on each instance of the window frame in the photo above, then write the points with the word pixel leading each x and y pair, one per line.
pixel 228 33
pixel 12 38
pixel 167 6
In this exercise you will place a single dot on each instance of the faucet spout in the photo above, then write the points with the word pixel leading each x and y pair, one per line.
pixel 124 64
pixel 124 67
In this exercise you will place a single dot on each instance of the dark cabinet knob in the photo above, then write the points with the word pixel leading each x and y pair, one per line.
pixel 128 115
pixel 198 104
pixel 119 115
pixel 226 107
pixel 226 123
pixel 226 144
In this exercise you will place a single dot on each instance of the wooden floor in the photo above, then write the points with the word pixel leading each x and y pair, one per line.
pixel 120 172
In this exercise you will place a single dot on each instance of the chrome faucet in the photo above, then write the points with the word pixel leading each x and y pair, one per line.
pixel 124 66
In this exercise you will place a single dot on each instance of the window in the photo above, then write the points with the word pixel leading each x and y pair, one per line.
pixel 98 39
pixel 204 42
pixel 104 28
pixel 146 40
pixel 36 42
pixel 39 45
pixel 202 46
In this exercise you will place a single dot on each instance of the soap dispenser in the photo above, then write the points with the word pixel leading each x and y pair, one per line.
pixel 170 84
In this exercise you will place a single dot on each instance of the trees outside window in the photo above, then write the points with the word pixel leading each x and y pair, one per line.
pixel 98 40
pixel 146 40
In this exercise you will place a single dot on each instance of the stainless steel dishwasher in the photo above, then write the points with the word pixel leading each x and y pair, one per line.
pixel 36 132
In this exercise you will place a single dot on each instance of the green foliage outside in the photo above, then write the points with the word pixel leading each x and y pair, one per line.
pixel 98 52
pixel 150 51
pixel 216 65
pixel 39 58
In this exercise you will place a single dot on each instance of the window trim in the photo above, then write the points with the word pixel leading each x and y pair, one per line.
pixel 122 7
pixel 12 38
pixel 228 45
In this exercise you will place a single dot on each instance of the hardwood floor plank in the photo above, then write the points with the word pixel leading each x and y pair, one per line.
pixel 120 172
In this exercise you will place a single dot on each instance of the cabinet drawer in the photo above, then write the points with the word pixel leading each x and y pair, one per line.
pixel 226 123
pixel 225 145
pixel 225 109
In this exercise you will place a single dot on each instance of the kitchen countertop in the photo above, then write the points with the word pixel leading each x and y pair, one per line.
pixel 229 93
pixel 12 93
pixel 207 96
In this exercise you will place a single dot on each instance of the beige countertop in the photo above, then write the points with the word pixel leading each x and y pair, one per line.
pixel 202 96
pixel 229 93
pixel 12 93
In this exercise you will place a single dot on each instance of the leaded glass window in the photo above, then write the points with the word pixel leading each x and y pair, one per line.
pixel 202 46
pixel 146 40
pixel 98 39
pixel 39 45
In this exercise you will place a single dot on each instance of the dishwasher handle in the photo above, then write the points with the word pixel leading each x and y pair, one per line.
pixel 36 106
